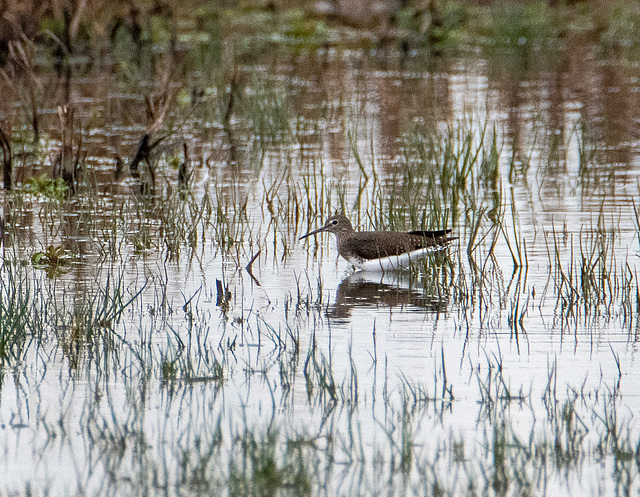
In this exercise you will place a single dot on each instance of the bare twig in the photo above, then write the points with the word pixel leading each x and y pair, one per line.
pixel 7 164
pixel 248 267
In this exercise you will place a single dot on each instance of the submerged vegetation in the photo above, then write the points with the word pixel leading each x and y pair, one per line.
pixel 163 329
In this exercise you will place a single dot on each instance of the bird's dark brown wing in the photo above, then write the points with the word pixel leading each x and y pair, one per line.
pixel 369 245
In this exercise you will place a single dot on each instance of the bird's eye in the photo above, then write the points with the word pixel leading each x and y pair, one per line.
pixel 334 222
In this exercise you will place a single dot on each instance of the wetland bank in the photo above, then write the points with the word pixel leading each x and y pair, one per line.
pixel 164 331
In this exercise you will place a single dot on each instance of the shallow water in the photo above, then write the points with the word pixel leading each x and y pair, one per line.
pixel 111 416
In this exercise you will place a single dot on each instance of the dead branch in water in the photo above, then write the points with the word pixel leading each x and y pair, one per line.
pixel 7 163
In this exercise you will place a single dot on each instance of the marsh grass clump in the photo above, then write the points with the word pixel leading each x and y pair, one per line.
pixel 590 284
pixel 19 312
pixel 320 384
pixel 528 25
pixel 260 466
pixel 190 360
pixel 265 103
pixel 86 321
pixel 439 170
pixel 36 309
pixel 184 221
pixel 174 221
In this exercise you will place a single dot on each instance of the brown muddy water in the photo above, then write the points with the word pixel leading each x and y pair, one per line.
pixel 152 360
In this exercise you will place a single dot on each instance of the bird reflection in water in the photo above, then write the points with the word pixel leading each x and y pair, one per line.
pixel 412 291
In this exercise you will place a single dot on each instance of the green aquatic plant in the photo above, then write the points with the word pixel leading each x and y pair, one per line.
pixel 301 31
pixel 52 189
pixel 522 25
pixel 54 260
pixel 52 256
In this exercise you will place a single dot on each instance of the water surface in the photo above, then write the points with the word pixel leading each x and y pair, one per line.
pixel 541 312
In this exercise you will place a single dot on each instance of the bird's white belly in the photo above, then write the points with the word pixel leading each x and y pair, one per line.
pixel 394 262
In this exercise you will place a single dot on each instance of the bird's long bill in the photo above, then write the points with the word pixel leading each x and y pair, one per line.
pixel 313 232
